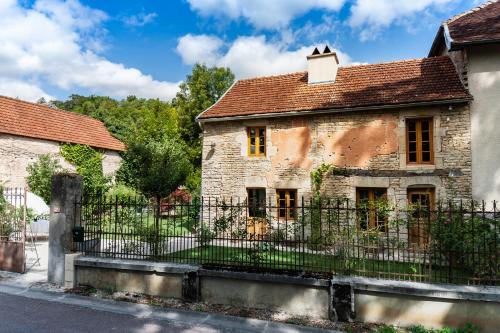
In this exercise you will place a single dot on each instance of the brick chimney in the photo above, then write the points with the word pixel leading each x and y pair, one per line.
pixel 322 67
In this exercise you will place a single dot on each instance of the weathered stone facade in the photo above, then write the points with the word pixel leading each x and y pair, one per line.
pixel 17 152
pixel 367 149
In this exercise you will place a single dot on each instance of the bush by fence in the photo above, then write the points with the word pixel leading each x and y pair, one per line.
pixel 454 243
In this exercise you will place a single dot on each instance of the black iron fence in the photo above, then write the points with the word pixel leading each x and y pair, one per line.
pixel 451 243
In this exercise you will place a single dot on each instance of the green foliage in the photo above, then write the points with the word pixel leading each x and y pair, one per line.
pixel 88 163
pixel 318 175
pixel 130 119
pixel 3 202
pixel 40 175
pixel 156 168
pixel 468 328
pixel 314 210
pixel 461 236
pixel 193 182
pixel 138 121
pixel 123 193
pixel 202 88
pixel 386 329
pixel 206 235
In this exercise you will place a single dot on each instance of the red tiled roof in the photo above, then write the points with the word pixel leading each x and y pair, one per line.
pixel 394 83
pixel 480 24
pixel 42 122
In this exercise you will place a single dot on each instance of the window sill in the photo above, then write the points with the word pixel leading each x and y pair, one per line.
pixel 420 166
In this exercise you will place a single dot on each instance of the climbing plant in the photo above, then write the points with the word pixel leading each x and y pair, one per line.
pixel 318 175
pixel 88 163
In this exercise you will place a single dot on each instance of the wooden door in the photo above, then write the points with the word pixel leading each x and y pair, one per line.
pixel 421 202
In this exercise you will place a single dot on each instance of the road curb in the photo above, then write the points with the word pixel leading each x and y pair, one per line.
pixel 239 324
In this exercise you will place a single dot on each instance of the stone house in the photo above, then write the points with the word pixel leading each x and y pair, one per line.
pixel 415 130
pixel 472 41
pixel 29 130
pixel 397 130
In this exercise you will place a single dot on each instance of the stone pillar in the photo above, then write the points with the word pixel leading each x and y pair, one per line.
pixel 66 191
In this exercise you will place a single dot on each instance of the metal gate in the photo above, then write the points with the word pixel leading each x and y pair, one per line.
pixel 13 229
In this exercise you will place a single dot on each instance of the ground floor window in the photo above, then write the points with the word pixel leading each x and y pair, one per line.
pixel 286 202
pixel 421 202
pixel 371 212
pixel 256 202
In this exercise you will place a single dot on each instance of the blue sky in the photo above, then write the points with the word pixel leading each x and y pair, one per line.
pixel 54 48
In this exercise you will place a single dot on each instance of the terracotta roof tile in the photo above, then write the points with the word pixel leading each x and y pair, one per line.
pixel 42 122
pixel 477 25
pixel 401 82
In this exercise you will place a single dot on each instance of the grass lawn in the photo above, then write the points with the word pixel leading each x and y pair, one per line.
pixel 289 260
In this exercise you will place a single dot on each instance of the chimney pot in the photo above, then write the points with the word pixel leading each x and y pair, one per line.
pixel 322 68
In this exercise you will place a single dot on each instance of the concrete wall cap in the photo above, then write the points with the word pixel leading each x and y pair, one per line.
pixel 431 290
pixel 135 265
pixel 275 278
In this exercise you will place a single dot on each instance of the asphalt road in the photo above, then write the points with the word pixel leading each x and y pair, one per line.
pixel 21 314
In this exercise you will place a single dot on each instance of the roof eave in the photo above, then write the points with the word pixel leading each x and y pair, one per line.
pixel 330 110
pixel 460 45
pixel 198 117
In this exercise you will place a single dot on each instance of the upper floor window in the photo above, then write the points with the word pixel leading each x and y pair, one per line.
pixel 419 145
pixel 256 141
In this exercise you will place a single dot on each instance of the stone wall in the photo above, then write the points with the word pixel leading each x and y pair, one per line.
pixel 367 141
pixel 17 152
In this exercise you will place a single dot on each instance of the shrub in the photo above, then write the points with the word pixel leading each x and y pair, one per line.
pixel 40 175
pixel 123 193
pixel 205 235
pixel 461 236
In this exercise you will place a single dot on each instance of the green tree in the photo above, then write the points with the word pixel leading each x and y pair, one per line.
pixel 40 175
pixel 203 87
pixel 156 168
pixel 130 119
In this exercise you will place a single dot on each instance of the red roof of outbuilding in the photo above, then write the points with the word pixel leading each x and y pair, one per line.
pixel 42 122
pixel 394 83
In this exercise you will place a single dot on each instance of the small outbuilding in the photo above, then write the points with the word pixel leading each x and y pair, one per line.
pixel 28 130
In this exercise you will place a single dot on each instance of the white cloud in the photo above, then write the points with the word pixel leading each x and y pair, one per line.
pixel 23 90
pixel 58 42
pixel 139 20
pixel 249 56
pixel 263 13
pixel 371 16
pixel 194 48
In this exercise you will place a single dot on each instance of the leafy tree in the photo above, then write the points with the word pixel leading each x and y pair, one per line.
pixel 40 175
pixel 203 87
pixel 129 120
pixel 156 168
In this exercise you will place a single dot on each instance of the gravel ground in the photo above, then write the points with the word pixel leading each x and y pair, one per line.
pixel 223 309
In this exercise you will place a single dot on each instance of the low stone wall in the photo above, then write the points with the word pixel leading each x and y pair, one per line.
pixel 361 299
pixel 155 279
pixel 293 295
pixel 431 305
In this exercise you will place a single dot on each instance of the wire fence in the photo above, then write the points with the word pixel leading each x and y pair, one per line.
pixel 450 243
